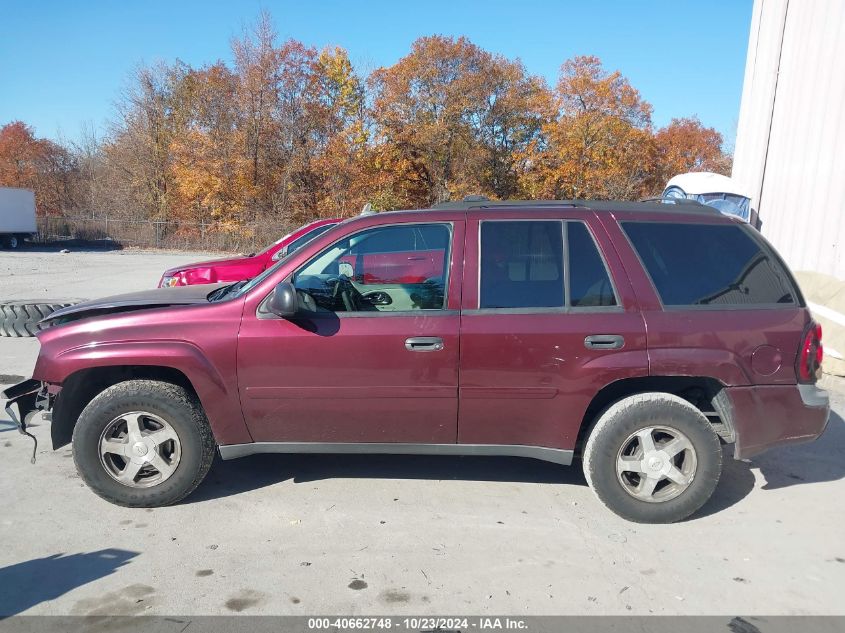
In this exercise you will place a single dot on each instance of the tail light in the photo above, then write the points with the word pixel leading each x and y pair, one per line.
pixel 809 363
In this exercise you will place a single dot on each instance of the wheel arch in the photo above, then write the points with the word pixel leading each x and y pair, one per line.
pixel 80 387
pixel 703 392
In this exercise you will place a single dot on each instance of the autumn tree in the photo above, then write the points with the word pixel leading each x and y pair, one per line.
pixel 450 120
pixel 139 148
pixel 686 145
pixel 208 166
pixel 38 164
pixel 599 143
pixel 341 135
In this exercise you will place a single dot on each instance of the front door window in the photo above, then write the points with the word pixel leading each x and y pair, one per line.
pixel 398 268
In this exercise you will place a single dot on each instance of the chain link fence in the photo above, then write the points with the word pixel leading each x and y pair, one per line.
pixel 160 234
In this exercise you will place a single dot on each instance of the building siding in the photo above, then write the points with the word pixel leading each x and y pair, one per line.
pixel 790 147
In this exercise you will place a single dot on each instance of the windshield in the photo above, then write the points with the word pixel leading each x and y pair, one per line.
pixel 244 287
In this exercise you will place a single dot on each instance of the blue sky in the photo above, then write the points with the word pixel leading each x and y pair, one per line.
pixel 64 63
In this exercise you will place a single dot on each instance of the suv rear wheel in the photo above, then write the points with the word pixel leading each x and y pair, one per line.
pixel 143 443
pixel 653 458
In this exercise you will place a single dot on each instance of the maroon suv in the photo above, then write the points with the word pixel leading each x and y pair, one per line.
pixel 636 337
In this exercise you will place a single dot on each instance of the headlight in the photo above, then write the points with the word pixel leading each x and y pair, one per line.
pixel 169 281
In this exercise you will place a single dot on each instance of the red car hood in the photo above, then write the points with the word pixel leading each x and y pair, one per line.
pixel 240 260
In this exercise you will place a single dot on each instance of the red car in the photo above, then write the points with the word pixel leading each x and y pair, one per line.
pixel 636 338
pixel 240 268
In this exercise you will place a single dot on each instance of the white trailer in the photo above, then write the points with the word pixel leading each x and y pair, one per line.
pixel 17 216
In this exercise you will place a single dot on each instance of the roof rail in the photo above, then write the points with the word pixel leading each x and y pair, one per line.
pixel 667 205
pixel 678 201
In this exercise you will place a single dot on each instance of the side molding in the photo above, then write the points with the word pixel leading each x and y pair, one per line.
pixel 555 455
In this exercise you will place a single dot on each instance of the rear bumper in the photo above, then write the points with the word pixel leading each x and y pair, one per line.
pixel 763 417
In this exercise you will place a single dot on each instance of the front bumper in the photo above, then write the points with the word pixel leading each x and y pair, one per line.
pixel 766 416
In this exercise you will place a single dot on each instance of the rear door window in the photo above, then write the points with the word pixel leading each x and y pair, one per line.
pixel 709 264
pixel 521 264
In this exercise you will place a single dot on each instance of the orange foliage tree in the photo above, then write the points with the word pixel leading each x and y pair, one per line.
pixel 38 164
pixel 599 141
pixel 686 145
pixel 451 119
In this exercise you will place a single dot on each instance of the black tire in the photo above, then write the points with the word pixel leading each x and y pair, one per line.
pixel 173 403
pixel 614 429
pixel 21 318
pixel 12 242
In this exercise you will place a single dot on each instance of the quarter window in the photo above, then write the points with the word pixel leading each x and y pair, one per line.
pixel 394 268
pixel 589 283
pixel 709 264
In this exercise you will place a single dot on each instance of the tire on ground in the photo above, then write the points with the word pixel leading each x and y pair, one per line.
pixel 616 425
pixel 20 318
pixel 173 403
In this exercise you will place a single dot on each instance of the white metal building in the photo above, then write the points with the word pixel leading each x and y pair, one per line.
pixel 790 145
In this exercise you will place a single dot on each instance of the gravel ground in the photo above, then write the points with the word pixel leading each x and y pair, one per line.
pixel 393 535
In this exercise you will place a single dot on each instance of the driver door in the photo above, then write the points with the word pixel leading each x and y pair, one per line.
pixel 373 355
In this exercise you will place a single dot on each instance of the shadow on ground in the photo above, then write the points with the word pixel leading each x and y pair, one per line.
pixel 813 462
pixel 250 473
pixel 809 463
pixel 25 585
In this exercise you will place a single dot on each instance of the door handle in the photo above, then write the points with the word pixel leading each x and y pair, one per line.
pixel 604 341
pixel 424 344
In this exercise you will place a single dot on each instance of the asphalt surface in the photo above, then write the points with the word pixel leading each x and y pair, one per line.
pixel 397 535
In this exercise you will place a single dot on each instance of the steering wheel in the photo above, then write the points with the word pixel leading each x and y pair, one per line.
pixel 343 291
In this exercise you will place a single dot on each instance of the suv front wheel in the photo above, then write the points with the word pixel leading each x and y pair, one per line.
pixel 653 458
pixel 143 443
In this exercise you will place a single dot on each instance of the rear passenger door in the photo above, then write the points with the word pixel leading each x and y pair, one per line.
pixel 548 319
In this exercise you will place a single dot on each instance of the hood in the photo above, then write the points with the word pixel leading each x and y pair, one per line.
pixel 211 263
pixel 158 298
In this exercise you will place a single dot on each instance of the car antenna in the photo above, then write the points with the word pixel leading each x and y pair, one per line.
pixel 368 209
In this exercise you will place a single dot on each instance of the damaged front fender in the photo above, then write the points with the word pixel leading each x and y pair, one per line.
pixel 24 394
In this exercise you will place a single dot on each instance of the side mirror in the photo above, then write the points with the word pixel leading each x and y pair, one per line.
pixel 283 302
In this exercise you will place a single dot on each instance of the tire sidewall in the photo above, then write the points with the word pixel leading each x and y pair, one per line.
pixel 114 402
pixel 618 423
